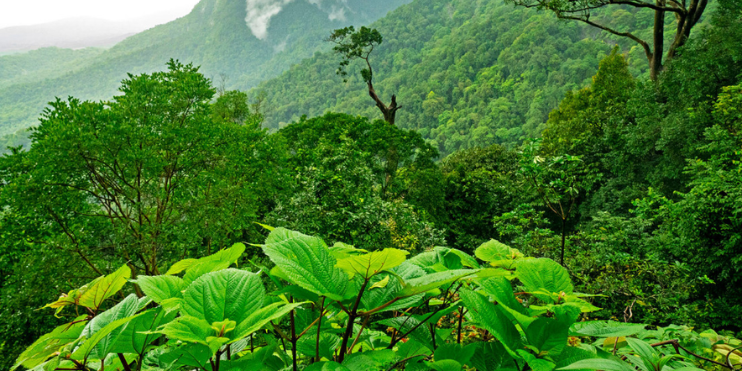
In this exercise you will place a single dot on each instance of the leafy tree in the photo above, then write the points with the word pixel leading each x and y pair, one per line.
pixel 479 185
pixel 359 45
pixel 143 179
pixel 687 16
pixel 343 183
pixel 703 227
pixel 557 182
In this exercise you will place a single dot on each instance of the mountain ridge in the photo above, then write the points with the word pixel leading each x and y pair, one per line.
pixel 214 36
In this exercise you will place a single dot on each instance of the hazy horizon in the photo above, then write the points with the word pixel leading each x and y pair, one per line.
pixel 34 12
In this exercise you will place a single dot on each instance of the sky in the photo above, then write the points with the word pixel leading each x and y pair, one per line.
pixel 29 12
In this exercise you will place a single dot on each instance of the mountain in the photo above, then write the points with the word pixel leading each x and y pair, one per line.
pixel 467 72
pixel 75 33
pixel 247 42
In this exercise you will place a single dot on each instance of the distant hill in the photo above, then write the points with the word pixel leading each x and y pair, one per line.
pixel 467 72
pixel 246 41
pixel 75 33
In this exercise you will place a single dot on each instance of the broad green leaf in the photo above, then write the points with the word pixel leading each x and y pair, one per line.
pixel 641 348
pixel 360 362
pixel 341 251
pixel 548 335
pixel 328 344
pixel 466 259
pixel 161 288
pixel 433 281
pixel 90 345
pixel 498 254
pixel 372 263
pixel 571 355
pixel 412 348
pixel 262 317
pixel 502 290
pixel 544 274
pixel 306 261
pixel 47 345
pixel 213 263
pixel 492 318
pixel 104 288
pixel 606 329
pixel 492 356
pixel 188 329
pixel 123 310
pixel 378 296
pixel 536 364
pixel 599 364
pixel 380 284
pixel 456 352
pixel 445 365
pixel 181 266
pixel 138 334
pixel 228 294
pixel 191 354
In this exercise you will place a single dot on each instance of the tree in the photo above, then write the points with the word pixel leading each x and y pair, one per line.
pixel 147 177
pixel 342 184
pixel 478 186
pixel 557 180
pixel 359 45
pixel 687 15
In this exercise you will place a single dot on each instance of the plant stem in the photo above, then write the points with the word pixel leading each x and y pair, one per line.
pixel 124 362
pixel 365 322
pixel 351 319
pixel 319 329
pixel 293 338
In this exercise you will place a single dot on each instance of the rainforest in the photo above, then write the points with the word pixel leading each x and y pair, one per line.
pixel 426 185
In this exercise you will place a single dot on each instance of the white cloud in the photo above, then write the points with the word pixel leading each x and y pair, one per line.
pixel 337 13
pixel 259 14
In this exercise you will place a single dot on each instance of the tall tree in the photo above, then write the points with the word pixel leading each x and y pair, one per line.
pixel 352 44
pixel 687 14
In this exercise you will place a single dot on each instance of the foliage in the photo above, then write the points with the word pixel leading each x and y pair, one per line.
pixel 687 16
pixel 347 181
pixel 469 73
pixel 478 184
pixel 143 179
pixel 215 35
pixel 329 309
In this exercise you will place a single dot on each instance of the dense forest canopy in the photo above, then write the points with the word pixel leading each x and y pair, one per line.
pixel 540 202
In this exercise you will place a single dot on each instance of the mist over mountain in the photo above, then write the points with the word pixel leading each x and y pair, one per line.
pixel 75 33
pixel 245 42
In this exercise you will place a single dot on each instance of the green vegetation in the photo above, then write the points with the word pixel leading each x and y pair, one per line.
pixel 342 308
pixel 603 235
pixel 467 73
pixel 214 36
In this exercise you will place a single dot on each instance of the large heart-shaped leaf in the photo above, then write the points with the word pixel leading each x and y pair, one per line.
pixel 367 265
pixel 161 288
pixel 544 276
pixel 306 261
pixel 223 295
pixel 494 319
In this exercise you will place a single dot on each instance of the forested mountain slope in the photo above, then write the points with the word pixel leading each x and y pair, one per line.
pixel 246 41
pixel 467 73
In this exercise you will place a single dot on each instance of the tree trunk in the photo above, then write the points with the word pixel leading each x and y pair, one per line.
pixel 564 233
pixel 655 64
